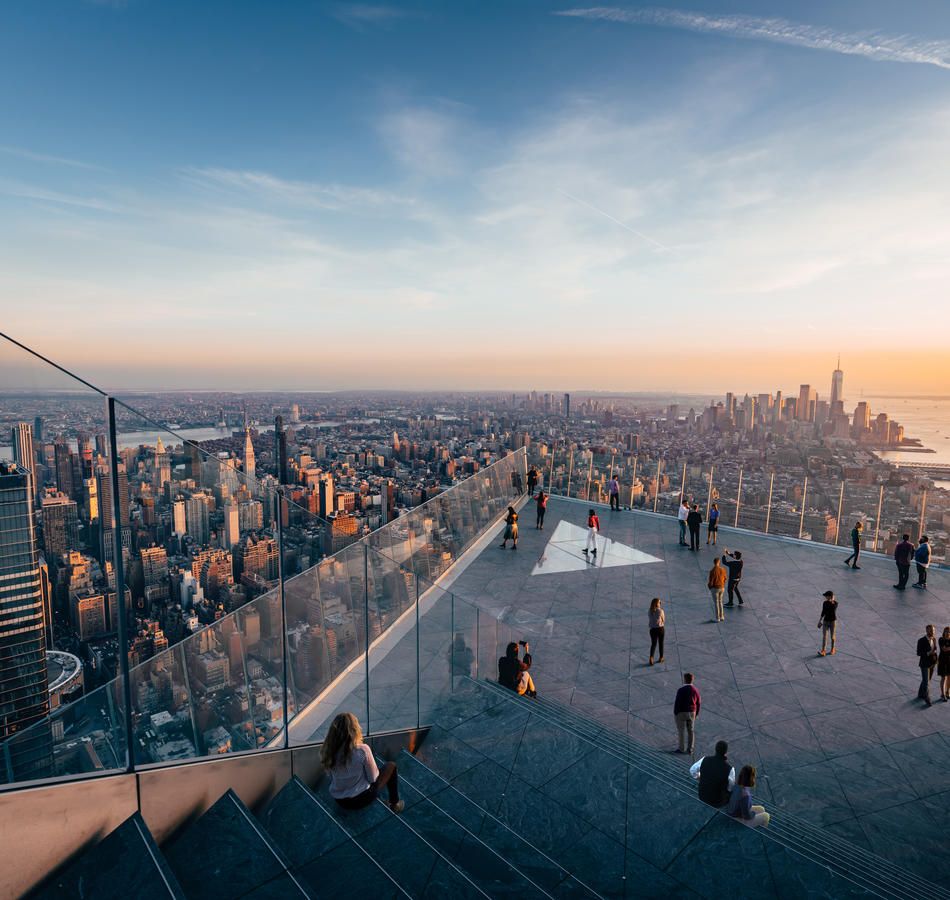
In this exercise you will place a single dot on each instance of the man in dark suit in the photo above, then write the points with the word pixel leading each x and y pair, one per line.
pixel 927 658
pixel 694 519
pixel 903 555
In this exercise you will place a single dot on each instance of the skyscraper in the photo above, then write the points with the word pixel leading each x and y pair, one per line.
pixel 161 467
pixel 64 468
pixel 837 385
pixel 24 694
pixel 567 406
pixel 326 496
pixel 23 454
pixel 60 525
pixel 280 438
pixel 806 403
pixel 250 466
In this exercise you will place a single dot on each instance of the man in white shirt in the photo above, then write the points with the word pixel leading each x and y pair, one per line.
pixel 683 513
pixel 716 776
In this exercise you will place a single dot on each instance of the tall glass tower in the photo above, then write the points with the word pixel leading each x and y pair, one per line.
pixel 24 691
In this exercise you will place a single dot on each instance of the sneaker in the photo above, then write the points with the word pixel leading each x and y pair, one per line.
pixel 848 564
pixel 729 604
pixel 398 807
pixel 587 551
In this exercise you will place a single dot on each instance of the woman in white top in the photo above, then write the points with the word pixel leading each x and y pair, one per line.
pixel 657 627
pixel 355 781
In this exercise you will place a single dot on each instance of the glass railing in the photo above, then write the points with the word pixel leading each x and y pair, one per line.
pixel 244 608
pixel 821 506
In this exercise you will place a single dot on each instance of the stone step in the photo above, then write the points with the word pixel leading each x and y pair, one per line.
pixel 873 872
pixel 319 849
pixel 539 870
pixel 126 863
pixel 400 849
pixel 225 854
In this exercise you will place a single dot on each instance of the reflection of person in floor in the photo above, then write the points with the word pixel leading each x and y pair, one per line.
pixel 460 656
pixel 593 527
pixel 513 673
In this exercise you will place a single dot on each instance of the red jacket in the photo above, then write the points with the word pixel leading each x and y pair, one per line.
pixel 593 522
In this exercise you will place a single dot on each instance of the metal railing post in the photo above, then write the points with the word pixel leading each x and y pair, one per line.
pixel 712 469
pixel 735 524
pixel 656 493
pixel 550 483
pixel 570 472
pixel 590 474
pixel 838 520
pixel 801 519
pixel 285 645
pixel 366 628
pixel 633 480
pixel 923 515
pixel 419 662
pixel 683 485
pixel 476 642
pixel 877 524
pixel 768 506
pixel 119 563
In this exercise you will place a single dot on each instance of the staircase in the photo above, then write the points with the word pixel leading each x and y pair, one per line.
pixel 505 797
pixel 866 870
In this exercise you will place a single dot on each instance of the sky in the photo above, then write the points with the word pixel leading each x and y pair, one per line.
pixel 697 196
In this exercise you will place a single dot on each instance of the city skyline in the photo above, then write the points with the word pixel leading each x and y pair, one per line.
pixel 608 190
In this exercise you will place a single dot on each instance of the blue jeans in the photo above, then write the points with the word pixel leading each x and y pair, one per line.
pixel 682 531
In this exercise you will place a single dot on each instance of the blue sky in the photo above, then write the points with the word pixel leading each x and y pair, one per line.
pixel 690 196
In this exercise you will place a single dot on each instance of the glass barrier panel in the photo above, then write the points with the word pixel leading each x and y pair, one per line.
pixel 328 622
pixel 166 727
pixel 57 560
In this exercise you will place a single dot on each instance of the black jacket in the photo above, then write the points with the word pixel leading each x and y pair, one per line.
pixel 694 519
pixel 714 780
pixel 927 652
pixel 735 568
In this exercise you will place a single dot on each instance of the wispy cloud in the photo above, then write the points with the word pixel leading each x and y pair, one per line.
pixel 871 45
pixel 363 15
pixel 265 186
pixel 33 156
pixel 45 195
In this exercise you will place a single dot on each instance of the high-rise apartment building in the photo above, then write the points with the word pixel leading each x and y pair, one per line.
pixel 807 397
pixel 23 453
pixel 107 523
pixel 64 468
pixel 232 526
pixel 60 525
pixel 24 692
pixel 567 406
pixel 326 496
pixel 280 449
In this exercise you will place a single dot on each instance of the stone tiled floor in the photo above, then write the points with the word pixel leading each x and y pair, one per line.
pixel 840 740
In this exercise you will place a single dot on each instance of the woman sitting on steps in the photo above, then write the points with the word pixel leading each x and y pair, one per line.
pixel 355 781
